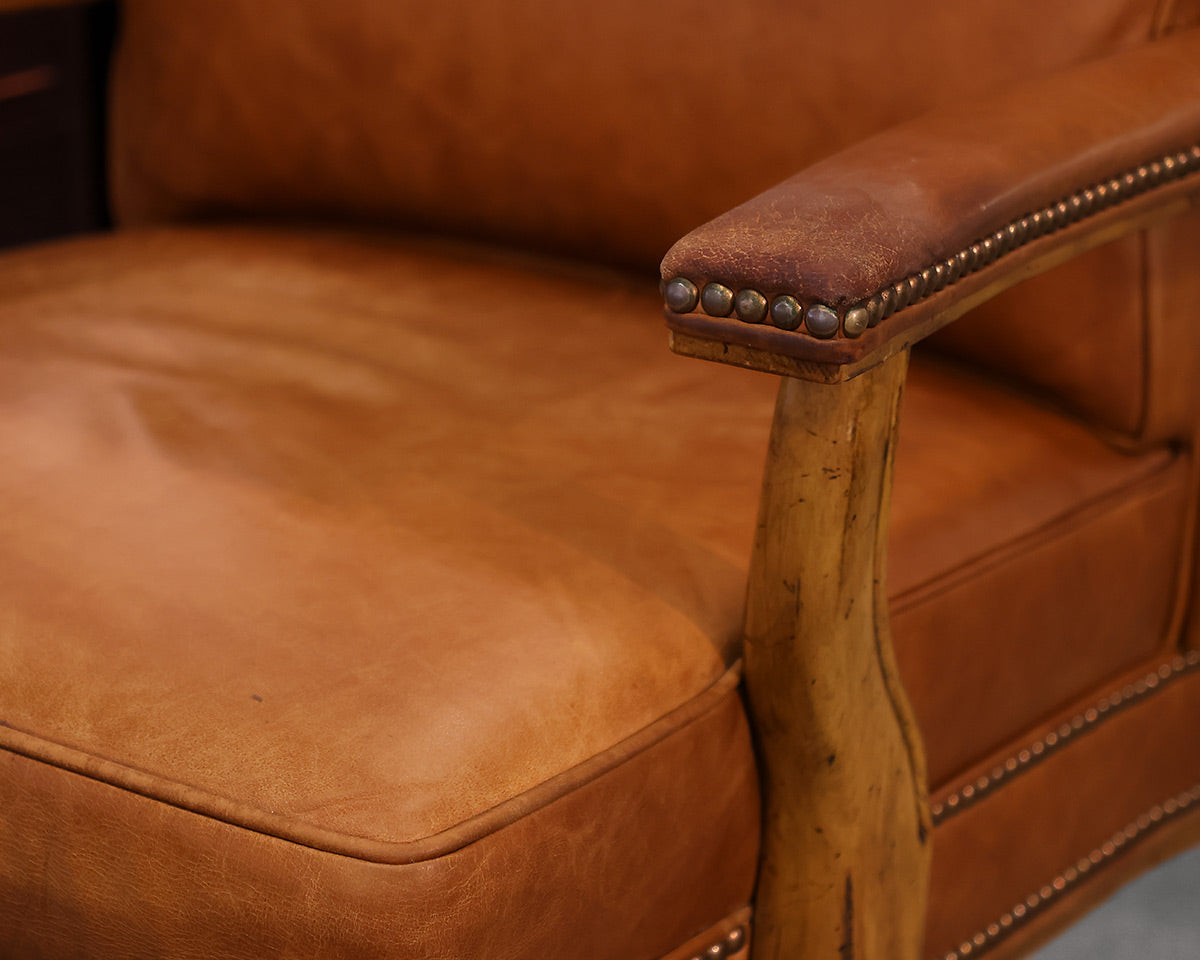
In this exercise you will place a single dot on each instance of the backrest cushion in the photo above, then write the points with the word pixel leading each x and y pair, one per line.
pixel 604 130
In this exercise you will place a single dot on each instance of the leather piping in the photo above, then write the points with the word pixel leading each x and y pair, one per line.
pixel 1073 876
pixel 1079 725
pixel 283 827
pixel 1079 206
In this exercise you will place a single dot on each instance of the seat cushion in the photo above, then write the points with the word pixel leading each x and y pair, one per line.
pixel 371 597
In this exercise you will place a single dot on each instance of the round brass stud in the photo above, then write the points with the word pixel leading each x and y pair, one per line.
pixel 887 302
pixel 715 952
pixel 751 306
pixel 874 311
pixel 1170 167
pixel 941 275
pixel 966 261
pixel 716 299
pixel 681 295
pixel 736 939
pixel 786 312
pixel 916 288
pixel 856 322
pixel 899 295
pixel 821 321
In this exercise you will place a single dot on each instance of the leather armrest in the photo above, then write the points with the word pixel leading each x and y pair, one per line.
pixel 867 251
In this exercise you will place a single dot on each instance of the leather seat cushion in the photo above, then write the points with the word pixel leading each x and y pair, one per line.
pixel 401 583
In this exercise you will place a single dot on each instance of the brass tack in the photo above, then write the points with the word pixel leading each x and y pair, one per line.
pixel 874 310
pixel 887 302
pixel 900 294
pixel 936 810
pixel 1024 756
pixel 1195 152
pixel 1156 813
pixel 681 295
pixel 1183 159
pixel 1170 806
pixel 1051 739
pixel 1170 167
pixel 1006 920
pixel 982 783
pixel 1091 715
pixel 1130 182
pixel 856 322
pixel 1107 849
pixel 1078 722
pixel 1151 681
pixel 1019 911
pixel 988 246
pixel 786 312
pixel 1076 205
pixel 966 261
pixel 1178 663
pixel 821 321
pixel 717 300
pixel 1131 831
pixel 1156 171
pixel 1139 688
pixel 968 792
pixel 1070 875
pixel 1143 176
pixel 736 939
pixel 1059 884
pixel 1101 193
pixel 1084 865
pixel 1038 748
pixel 1193 657
pixel 1046 892
pixel 715 952
pixel 1032 901
pixel 1064 731
pixel 997 773
pixel 1128 691
pixel 979 939
pixel 1011 764
pixel 916 287
pixel 751 306
pixel 1164 672
pixel 952 800
pixel 928 277
pixel 1096 856
pixel 1000 239
pixel 1115 188
pixel 1143 822
pixel 965 948
pixel 952 268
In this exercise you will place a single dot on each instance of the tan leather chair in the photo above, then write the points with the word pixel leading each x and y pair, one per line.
pixel 372 579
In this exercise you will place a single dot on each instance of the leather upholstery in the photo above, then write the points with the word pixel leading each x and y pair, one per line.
pixel 500 140
pixel 235 451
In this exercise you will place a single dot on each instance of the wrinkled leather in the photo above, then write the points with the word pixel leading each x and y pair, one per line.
pixel 226 445
pixel 607 130
pixel 891 205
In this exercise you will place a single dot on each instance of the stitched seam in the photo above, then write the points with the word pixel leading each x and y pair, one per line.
pixel 1082 514
pixel 1073 876
pixel 1067 732
pixel 1076 207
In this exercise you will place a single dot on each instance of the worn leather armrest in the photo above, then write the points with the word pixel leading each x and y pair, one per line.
pixel 867 251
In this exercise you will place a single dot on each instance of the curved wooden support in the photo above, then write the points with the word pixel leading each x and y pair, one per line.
pixel 846 829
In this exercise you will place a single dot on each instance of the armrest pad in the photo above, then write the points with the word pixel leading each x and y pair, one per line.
pixel 874 247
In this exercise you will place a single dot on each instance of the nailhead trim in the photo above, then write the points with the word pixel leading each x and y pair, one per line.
pixel 1021 913
pixel 905 292
pixel 1081 723
pixel 727 946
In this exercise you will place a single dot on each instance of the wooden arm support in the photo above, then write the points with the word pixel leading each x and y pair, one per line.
pixel 846 827
pixel 864 253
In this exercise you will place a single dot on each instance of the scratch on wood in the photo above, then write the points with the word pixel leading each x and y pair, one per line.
pixel 846 950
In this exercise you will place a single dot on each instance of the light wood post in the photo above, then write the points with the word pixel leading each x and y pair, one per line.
pixel 846 833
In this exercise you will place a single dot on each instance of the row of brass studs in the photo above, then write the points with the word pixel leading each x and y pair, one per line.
pixel 821 321
pixel 1078 725
pixel 1070 878
pixel 727 946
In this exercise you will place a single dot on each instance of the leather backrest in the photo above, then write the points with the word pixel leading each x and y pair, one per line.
pixel 604 130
